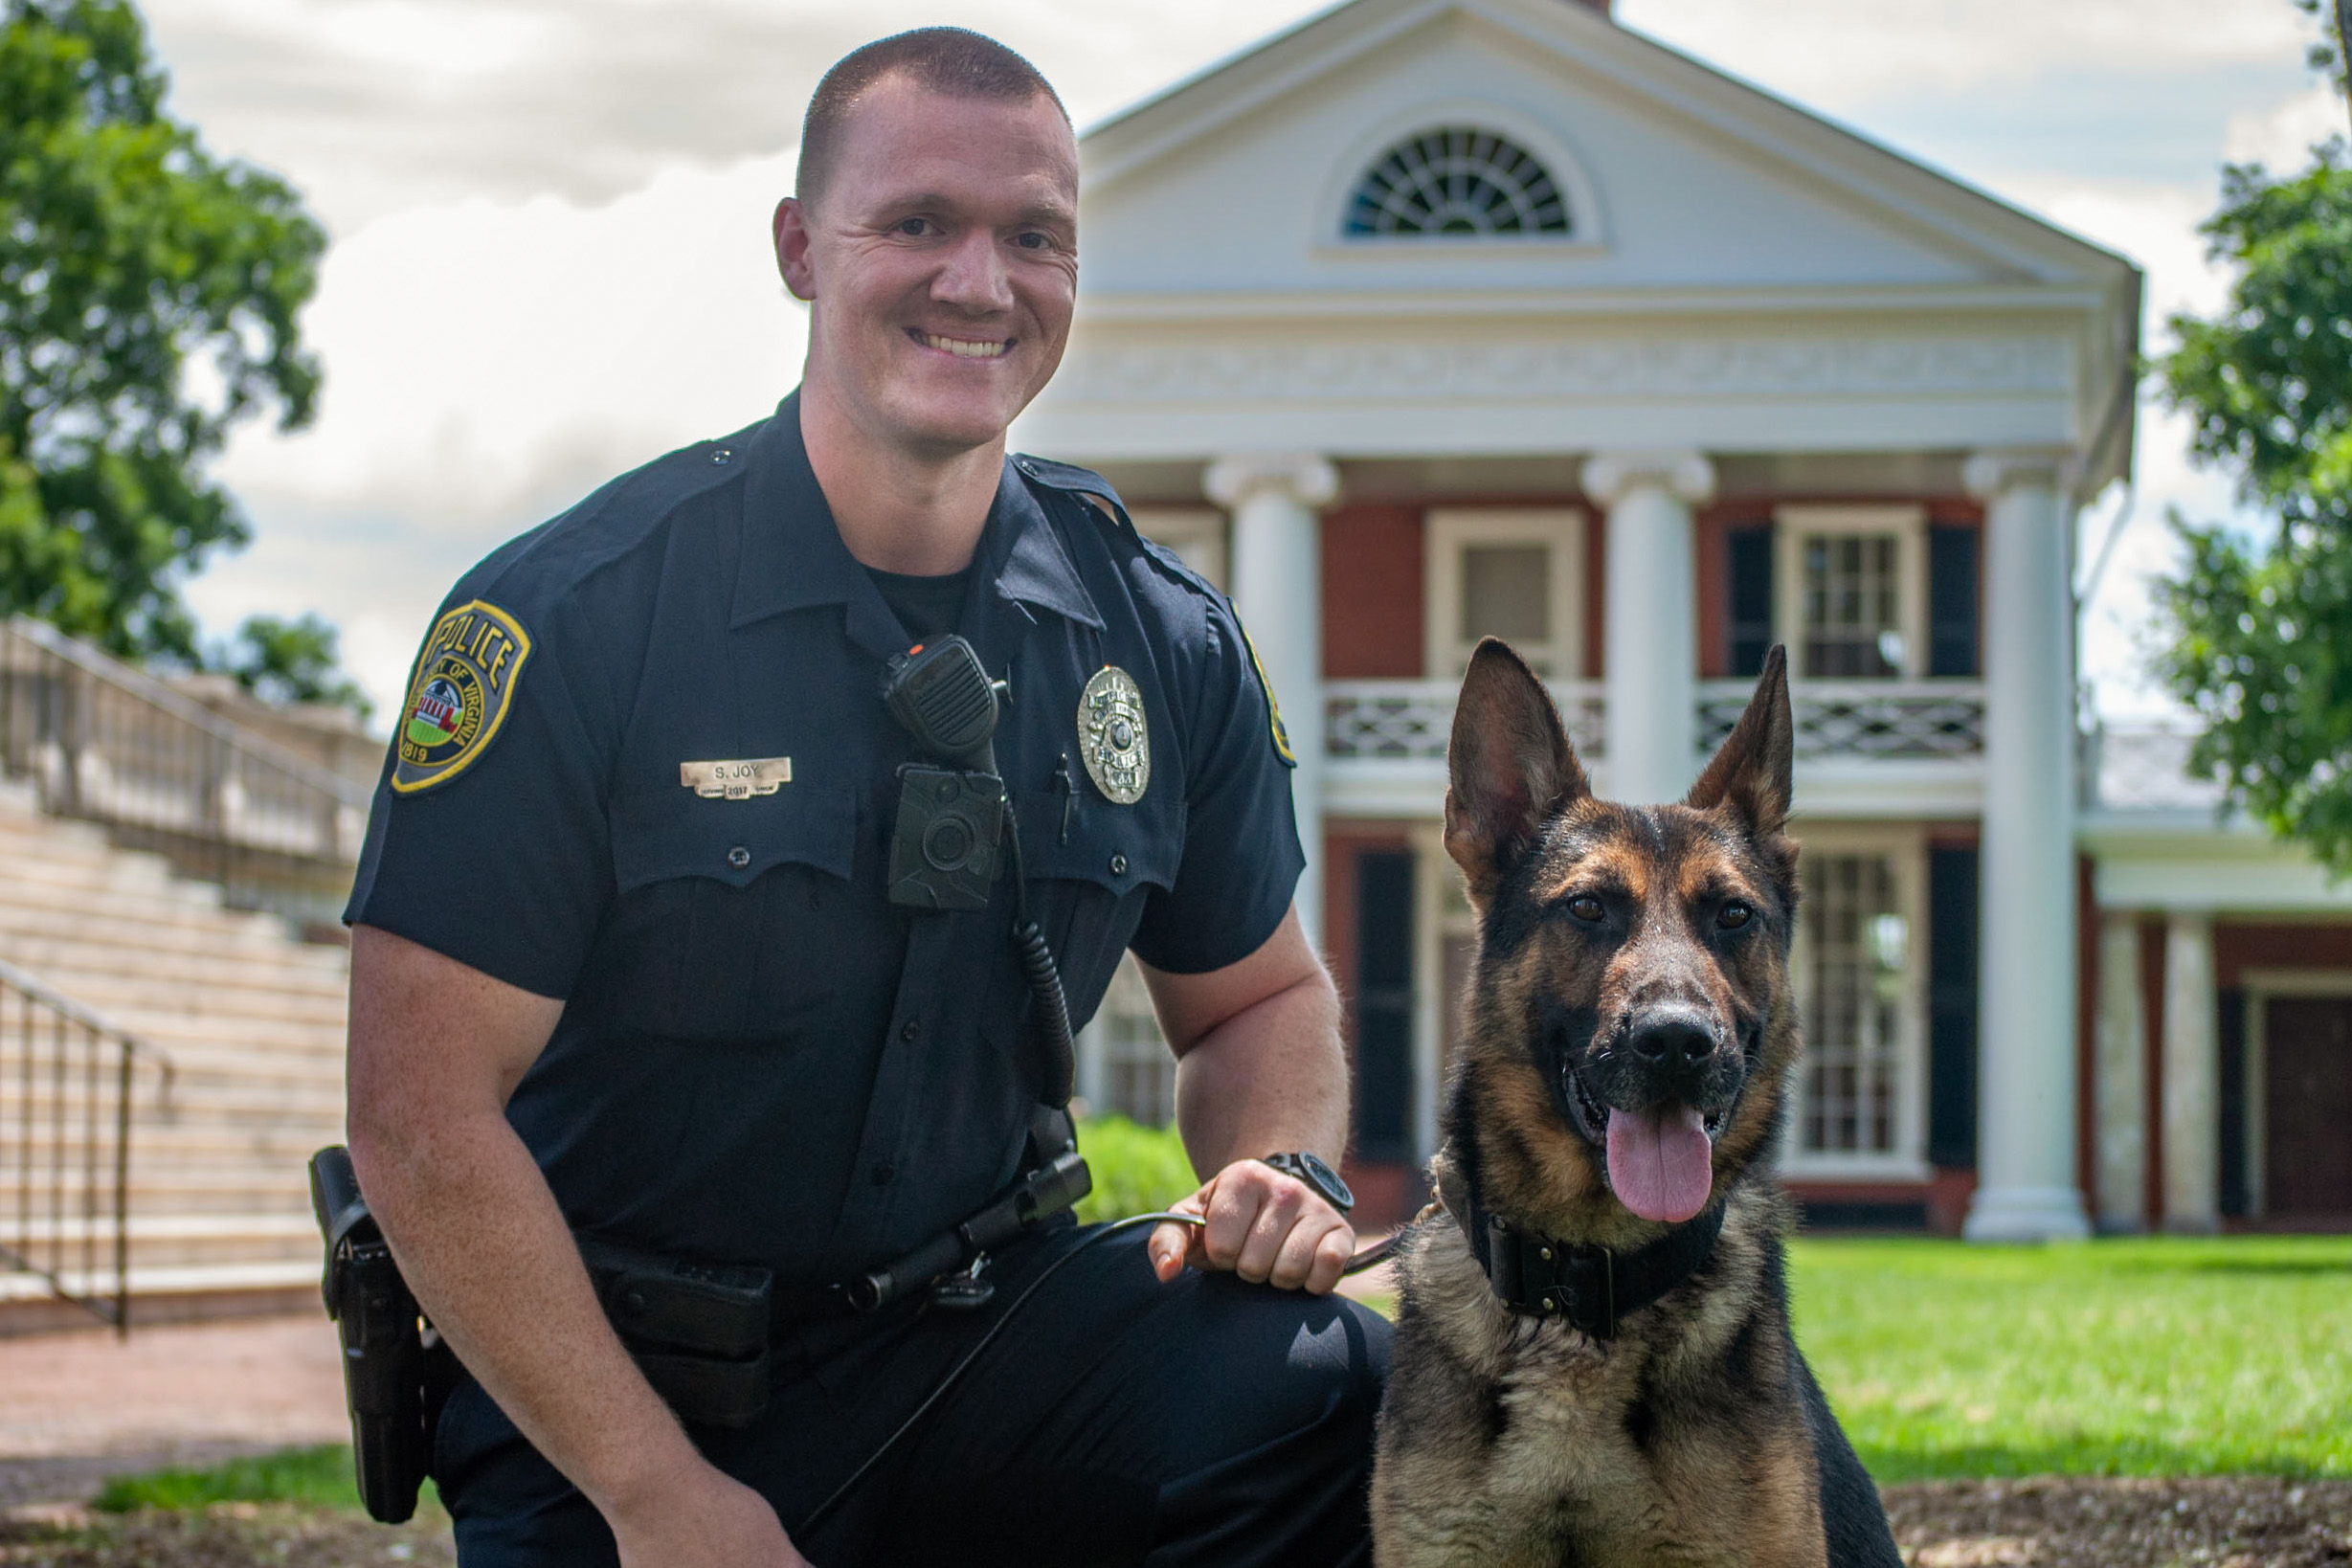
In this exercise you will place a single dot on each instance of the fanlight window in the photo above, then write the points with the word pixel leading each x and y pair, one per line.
pixel 1458 180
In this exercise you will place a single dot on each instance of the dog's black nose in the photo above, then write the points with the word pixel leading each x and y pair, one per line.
pixel 1672 1043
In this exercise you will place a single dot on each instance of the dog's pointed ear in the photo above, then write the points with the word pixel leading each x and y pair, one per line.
pixel 1509 766
pixel 1751 770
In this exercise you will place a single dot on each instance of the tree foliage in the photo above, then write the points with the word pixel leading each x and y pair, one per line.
pixel 2262 627
pixel 287 662
pixel 148 293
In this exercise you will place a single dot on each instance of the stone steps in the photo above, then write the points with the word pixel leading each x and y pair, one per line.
pixel 253 1020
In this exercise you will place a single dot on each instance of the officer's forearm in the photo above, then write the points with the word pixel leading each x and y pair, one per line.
pixel 1270 1078
pixel 436 1049
pixel 481 1243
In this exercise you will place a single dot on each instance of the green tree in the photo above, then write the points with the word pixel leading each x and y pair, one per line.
pixel 2262 626
pixel 282 662
pixel 148 300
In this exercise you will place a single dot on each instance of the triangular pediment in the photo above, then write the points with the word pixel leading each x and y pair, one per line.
pixel 1680 179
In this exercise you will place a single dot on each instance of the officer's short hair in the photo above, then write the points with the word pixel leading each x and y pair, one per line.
pixel 950 60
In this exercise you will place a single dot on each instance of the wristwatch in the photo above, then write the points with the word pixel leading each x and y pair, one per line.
pixel 1310 1168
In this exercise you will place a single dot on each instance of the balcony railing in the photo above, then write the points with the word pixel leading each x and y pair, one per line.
pixel 1406 719
pixel 104 743
pixel 1877 720
pixel 1885 720
pixel 68 1080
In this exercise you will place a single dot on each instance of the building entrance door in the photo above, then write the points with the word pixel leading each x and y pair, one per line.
pixel 2307 1103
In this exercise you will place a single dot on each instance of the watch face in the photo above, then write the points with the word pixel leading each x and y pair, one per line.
pixel 1310 1168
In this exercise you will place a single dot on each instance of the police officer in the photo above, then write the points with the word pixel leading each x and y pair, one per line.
pixel 626 967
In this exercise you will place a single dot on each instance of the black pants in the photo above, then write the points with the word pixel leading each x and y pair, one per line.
pixel 1114 1420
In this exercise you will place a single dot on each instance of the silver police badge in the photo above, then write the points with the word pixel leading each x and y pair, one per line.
pixel 1113 738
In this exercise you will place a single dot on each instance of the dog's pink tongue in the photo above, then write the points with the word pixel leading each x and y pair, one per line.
pixel 1660 1161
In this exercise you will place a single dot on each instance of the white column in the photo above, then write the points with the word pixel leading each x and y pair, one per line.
pixel 1278 588
pixel 2025 1180
pixel 2192 1076
pixel 2123 1163
pixel 1650 619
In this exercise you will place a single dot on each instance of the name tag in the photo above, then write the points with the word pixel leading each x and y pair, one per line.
pixel 736 781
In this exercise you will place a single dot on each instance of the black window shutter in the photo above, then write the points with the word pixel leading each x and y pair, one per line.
pixel 2235 1199
pixel 1384 1005
pixel 1952 1007
pixel 1952 602
pixel 1749 622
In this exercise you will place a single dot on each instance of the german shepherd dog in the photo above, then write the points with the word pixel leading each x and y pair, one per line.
pixel 1593 1359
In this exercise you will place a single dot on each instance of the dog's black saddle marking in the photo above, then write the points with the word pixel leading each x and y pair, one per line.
pixel 1589 1288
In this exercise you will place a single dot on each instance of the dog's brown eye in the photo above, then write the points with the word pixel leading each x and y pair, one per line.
pixel 1732 915
pixel 1585 907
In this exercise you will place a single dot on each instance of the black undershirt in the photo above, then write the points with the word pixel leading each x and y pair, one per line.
pixel 927 607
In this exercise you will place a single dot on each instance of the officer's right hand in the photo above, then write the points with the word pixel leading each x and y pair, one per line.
pixel 704 1520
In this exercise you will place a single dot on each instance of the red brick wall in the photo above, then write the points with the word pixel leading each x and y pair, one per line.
pixel 1372 595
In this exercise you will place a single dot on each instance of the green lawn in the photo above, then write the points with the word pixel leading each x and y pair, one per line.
pixel 2123 1357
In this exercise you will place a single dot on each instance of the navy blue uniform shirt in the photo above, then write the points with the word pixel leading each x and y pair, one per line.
pixel 760 1059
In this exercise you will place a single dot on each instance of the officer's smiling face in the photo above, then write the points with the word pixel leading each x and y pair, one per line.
pixel 941 261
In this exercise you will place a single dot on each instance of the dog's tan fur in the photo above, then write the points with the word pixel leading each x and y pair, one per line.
pixel 1687 1437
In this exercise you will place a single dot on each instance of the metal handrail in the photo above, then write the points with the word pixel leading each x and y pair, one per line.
pixel 104 743
pixel 59 1095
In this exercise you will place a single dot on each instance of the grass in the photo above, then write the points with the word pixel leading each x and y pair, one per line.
pixel 2127 1358
pixel 2157 1356
pixel 318 1477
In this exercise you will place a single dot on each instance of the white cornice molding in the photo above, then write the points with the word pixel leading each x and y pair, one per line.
pixel 1689 477
pixel 1332 369
pixel 2065 308
pixel 1301 478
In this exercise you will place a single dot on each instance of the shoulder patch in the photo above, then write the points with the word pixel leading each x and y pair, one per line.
pixel 1273 708
pixel 458 699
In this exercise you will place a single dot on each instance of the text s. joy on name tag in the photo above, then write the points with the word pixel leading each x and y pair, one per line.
pixel 737 781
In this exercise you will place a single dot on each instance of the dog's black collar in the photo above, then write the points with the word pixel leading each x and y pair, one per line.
pixel 1590 1288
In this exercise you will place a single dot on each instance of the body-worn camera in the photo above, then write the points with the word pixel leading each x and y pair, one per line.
pixel 943 850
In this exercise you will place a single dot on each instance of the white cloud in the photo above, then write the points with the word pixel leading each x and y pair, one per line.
pixel 2282 136
pixel 374 106
pixel 489 364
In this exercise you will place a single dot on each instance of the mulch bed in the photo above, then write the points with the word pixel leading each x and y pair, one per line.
pixel 2046 1522
pixel 2229 1521
pixel 224 1535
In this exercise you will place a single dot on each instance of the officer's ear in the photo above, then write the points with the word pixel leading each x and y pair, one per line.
pixel 791 249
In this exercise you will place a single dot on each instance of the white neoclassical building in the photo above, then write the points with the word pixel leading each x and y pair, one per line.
pixel 1429 319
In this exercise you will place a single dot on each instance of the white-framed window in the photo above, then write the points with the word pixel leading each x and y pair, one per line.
pixel 1850 591
pixel 1859 1102
pixel 1516 574
pixel 1124 1063
pixel 1197 534
pixel 1457 179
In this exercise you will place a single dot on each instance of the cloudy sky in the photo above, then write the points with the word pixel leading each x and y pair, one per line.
pixel 549 221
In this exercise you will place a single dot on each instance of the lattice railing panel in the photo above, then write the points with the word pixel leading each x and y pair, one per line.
pixel 1409 720
pixel 1892 720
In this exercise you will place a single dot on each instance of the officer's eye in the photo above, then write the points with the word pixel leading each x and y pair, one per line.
pixel 1033 240
pixel 914 228
pixel 1585 907
pixel 1732 915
